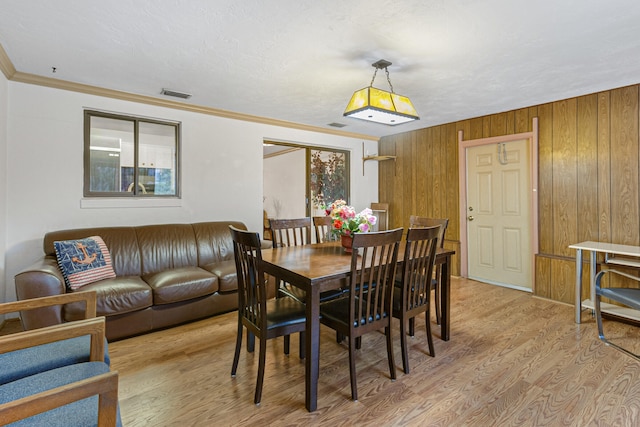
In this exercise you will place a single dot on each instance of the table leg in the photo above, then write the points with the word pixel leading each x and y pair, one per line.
pixel 445 299
pixel 578 290
pixel 312 363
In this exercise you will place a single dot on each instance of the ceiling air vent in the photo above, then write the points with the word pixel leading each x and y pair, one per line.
pixel 337 125
pixel 175 93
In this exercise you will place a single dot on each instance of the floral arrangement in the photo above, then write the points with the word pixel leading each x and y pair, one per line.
pixel 346 221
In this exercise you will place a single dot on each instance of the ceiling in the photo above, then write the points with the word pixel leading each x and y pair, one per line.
pixel 301 60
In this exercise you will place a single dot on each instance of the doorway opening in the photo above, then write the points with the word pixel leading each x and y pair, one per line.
pixel 299 180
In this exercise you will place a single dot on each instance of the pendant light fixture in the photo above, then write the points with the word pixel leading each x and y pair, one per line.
pixel 380 106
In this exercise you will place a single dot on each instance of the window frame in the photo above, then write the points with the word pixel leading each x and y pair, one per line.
pixel 136 120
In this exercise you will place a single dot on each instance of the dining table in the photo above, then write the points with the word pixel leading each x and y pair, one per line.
pixel 320 267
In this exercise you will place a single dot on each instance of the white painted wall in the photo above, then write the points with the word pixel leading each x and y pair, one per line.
pixel 284 184
pixel 4 101
pixel 222 171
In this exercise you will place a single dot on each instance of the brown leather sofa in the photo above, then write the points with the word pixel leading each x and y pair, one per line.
pixel 165 275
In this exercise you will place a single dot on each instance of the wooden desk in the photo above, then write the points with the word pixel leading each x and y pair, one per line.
pixel 621 255
pixel 322 267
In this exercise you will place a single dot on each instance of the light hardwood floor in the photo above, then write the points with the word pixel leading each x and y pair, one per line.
pixel 512 360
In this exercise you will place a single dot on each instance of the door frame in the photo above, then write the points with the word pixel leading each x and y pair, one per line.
pixel 532 136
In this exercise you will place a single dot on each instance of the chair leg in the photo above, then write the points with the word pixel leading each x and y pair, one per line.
pixel 303 345
pixel 427 317
pixel 403 345
pixel 261 364
pixel 598 313
pixel 437 294
pixel 358 343
pixel 392 365
pixel 352 368
pixel 236 356
pixel 339 337
pixel 412 327
pixel 251 342
pixel 287 341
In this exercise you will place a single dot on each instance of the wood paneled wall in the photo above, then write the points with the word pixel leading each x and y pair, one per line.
pixel 588 189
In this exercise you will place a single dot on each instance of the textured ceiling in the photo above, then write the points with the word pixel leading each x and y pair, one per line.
pixel 300 60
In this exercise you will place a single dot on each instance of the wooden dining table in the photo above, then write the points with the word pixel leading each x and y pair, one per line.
pixel 321 267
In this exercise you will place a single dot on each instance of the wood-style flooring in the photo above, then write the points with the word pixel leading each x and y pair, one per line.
pixel 513 360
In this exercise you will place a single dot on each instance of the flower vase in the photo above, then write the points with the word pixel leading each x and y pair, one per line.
pixel 347 242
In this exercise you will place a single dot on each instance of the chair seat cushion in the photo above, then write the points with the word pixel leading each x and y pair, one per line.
pixel 81 413
pixel 338 311
pixel 34 360
pixel 284 312
pixel 181 284
pixel 627 296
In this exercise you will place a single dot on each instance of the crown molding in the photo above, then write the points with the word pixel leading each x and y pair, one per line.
pixel 7 68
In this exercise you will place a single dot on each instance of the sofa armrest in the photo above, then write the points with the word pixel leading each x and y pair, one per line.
pixel 41 279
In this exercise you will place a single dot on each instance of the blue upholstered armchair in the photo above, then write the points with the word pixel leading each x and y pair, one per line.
pixel 58 375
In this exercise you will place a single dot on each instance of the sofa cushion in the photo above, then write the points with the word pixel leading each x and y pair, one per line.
pixel 166 246
pixel 83 261
pixel 214 241
pixel 227 275
pixel 80 413
pixel 33 360
pixel 181 284
pixel 114 296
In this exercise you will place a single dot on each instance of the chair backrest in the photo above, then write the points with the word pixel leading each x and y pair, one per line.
pixel 417 268
pixel 252 294
pixel 373 269
pixel 381 212
pixel 421 221
pixel 322 225
pixel 291 232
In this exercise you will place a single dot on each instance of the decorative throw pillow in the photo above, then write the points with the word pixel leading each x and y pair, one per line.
pixel 83 261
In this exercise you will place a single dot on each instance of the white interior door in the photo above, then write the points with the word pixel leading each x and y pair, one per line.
pixel 499 214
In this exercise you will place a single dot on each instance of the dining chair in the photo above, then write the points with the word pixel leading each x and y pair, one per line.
pixel 263 318
pixel 368 306
pixel 290 232
pixel 296 232
pixel 420 221
pixel 413 296
pixel 629 297
pixel 322 226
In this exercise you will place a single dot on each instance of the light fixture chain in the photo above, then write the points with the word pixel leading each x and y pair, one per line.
pixel 374 77
pixel 389 79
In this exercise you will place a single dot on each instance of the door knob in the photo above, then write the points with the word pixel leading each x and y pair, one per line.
pixel 470 217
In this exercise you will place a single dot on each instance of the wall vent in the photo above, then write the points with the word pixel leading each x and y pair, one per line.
pixel 337 125
pixel 175 93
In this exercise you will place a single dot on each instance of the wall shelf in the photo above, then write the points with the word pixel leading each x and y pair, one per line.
pixel 377 158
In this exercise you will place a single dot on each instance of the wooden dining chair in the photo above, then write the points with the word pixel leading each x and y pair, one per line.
pixel 420 221
pixel 368 307
pixel 263 318
pixel 296 232
pixel 290 232
pixel 413 295
pixel 322 226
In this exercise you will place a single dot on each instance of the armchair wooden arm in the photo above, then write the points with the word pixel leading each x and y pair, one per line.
pixel 94 327
pixel 105 386
pixel 29 304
